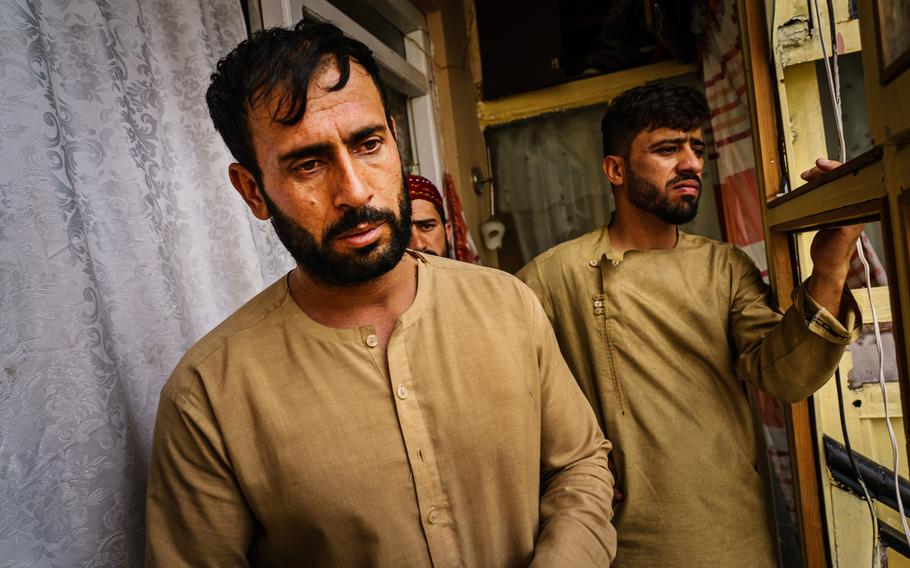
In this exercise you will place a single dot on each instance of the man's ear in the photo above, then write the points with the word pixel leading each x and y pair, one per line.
pixel 245 184
pixel 614 168
pixel 448 226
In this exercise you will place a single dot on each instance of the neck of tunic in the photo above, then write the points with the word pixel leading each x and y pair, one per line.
pixel 631 228
pixel 377 303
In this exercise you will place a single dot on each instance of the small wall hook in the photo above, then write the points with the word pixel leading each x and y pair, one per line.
pixel 478 181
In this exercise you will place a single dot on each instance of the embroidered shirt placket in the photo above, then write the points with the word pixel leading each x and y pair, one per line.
pixel 600 312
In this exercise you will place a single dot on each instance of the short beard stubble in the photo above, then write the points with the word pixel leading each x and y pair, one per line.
pixel 647 196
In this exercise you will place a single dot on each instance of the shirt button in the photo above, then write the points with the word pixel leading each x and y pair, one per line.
pixel 598 303
pixel 402 392
pixel 592 263
pixel 615 262
pixel 433 516
pixel 372 340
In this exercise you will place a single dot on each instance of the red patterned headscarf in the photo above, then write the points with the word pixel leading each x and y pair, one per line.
pixel 421 188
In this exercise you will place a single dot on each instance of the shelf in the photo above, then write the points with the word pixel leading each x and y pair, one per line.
pixel 853 191
pixel 576 94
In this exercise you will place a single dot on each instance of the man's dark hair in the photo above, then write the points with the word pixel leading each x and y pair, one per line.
pixel 280 60
pixel 648 107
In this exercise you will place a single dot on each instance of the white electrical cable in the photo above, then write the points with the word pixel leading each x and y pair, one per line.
pixel 837 100
pixel 834 89
pixel 881 381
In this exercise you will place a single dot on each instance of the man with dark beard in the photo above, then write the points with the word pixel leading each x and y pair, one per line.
pixel 375 407
pixel 660 328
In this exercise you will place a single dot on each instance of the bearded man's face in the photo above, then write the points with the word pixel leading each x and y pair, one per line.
pixel 663 175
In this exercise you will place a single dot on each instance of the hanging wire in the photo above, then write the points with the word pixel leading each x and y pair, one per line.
pixel 832 26
pixel 832 89
pixel 881 380
pixel 859 477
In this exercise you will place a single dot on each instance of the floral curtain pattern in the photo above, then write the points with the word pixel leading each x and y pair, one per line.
pixel 121 243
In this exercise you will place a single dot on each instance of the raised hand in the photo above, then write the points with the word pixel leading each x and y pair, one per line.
pixel 821 166
pixel 831 251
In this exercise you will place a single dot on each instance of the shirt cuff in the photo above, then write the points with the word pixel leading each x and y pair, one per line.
pixel 820 321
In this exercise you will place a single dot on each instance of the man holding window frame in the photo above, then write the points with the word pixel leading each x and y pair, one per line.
pixel 661 329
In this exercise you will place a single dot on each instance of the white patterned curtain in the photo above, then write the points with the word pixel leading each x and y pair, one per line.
pixel 121 243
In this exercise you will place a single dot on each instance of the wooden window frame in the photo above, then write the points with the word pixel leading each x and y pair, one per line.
pixel 875 185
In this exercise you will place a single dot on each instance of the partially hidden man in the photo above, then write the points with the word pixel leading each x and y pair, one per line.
pixel 661 328
pixel 430 232
pixel 375 407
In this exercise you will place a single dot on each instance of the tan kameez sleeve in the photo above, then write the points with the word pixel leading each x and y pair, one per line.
pixel 577 487
pixel 791 357
pixel 196 513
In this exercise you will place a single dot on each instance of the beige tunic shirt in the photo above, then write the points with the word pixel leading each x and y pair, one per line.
pixel 283 442
pixel 657 339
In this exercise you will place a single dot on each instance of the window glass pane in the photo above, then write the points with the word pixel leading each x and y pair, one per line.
pixel 398 106
pixel 853 105
pixel 373 22
pixel 860 369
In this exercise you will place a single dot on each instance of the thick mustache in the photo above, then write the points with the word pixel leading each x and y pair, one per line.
pixel 684 177
pixel 353 217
